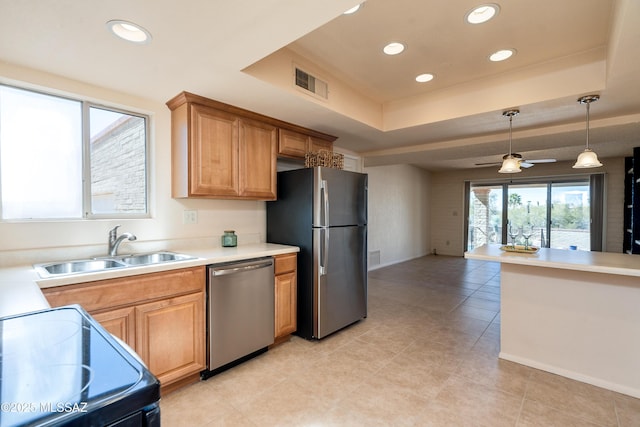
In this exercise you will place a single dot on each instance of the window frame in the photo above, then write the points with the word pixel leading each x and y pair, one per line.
pixel 86 105
pixel 597 191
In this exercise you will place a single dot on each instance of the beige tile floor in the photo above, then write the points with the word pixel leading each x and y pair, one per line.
pixel 425 356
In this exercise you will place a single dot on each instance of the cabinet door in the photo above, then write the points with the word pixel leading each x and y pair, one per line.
pixel 257 153
pixel 120 322
pixel 285 309
pixel 292 144
pixel 170 336
pixel 214 152
pixel 317 144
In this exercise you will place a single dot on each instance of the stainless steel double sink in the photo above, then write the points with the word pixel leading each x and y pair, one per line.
pixel 92 265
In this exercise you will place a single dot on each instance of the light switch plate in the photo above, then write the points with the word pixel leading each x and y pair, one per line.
pixel 190 217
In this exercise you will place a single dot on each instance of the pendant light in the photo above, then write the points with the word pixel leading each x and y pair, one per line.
pixel 588 158
pixel 511 162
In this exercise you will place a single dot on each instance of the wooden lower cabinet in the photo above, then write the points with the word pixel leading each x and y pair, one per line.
pixel 170 336
pixel 120 322
pixel 159 315
pixel 285 296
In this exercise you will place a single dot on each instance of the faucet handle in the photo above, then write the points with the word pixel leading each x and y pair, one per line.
pixel 113 233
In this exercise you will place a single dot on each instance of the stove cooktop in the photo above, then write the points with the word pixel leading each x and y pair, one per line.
pixel 60 367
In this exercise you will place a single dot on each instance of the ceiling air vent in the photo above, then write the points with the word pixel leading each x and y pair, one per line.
pixel 312 84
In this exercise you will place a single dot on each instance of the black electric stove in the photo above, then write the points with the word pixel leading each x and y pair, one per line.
pixel 59 367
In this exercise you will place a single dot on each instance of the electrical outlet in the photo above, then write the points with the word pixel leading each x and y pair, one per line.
pixel 190 217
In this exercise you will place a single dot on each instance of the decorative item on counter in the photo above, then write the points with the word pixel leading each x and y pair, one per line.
pixel 324 158
pixel 519 249
pixel 229 238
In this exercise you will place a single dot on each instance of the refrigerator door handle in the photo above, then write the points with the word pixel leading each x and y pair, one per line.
pixel 324 188
pixel 324 251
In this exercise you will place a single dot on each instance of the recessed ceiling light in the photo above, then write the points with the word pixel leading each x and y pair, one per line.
pixel 129 31
pixel 482 13
pixel 501 55
pixel 423 78
pixel 393 48
pixel 354 9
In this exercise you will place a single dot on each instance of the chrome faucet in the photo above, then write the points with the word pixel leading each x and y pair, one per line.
pixel 115 240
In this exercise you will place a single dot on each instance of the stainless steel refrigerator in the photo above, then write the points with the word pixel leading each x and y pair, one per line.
pixel 324 212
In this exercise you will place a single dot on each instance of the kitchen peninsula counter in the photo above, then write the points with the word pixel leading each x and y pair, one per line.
pixel 572 313
pixel 595 262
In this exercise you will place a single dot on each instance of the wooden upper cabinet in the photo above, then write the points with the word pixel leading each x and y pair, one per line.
pixel 257 160
pixel 217 152
pixel 214 152
pixel 225 152
pixel 292 144
pixel 296 144
pixel 317 144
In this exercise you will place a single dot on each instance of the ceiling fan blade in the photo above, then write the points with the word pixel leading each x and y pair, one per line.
pixel 489 164
pixel 525 164
pixel 541 161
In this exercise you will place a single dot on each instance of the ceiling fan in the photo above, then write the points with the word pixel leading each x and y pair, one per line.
pixel 525 163
pixel 512 162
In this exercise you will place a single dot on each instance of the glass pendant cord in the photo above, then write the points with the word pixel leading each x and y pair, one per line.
pixel 588 102
pixel 511 114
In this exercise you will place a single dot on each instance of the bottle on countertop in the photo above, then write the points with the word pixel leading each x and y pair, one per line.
pixel 229 238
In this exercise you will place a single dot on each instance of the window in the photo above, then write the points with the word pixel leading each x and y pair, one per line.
pixel 564 213
pixel 62 158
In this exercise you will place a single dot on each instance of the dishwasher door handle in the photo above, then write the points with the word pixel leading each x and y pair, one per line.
pixel 234 270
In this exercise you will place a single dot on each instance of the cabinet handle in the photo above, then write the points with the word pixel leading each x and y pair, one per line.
pixel 225 271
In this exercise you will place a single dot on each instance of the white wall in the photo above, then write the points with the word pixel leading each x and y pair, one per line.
pixel 28 241
pixel 447 208
pixel 399 214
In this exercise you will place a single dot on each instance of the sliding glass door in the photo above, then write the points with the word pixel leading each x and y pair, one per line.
pixel 570 216
pixel 527 208
pixel 557 213
pixel 485 215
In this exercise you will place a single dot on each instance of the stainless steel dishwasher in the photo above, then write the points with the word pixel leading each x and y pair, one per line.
pixel 240 312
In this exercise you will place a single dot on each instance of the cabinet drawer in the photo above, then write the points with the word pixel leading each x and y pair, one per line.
pixel 126 291
pixel 285 263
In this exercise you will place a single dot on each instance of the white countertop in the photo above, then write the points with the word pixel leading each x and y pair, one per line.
pixel 20 286
pixel 595 262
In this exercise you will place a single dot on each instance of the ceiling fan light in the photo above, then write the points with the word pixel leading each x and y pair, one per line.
pixel 510 165
pixel 587 159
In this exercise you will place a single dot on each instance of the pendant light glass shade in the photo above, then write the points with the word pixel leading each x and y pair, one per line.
pixel 511 163
pixel 588 158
